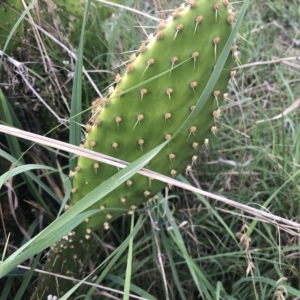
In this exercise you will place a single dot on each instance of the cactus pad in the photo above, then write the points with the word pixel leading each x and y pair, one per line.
pixel 161 84
pixel 9 15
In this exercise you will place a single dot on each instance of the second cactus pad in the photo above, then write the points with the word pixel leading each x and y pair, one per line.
pixel 161 84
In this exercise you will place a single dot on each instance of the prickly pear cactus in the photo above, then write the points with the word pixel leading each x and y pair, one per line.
pixel 132 121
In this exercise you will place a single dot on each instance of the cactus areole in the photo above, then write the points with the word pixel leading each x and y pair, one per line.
pixel 146 109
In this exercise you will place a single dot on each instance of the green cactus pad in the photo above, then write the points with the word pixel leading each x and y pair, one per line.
pixel 132 123
pixel 147 108
pixel 74 8
pixel 9 16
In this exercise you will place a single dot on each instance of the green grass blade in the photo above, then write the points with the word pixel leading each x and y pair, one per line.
pixel 137 290
pixel 76 101
pixel 129 264
pixel 172 265
pixel 9 174
pixel 37 179
pixel 205 288
pixel 7 288
pixel 26 280
pixel 15 150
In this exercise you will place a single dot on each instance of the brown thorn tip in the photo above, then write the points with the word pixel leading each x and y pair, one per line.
pixel 195 54
pixel 230 19
pixel 216 114
pixel 172 156
pixel 193 84
pixel 118 119
pixel 168 136
pixel 132 58
pixel 143 92
pixel 193 129
pixel 233 48
pixel 169 91
pixel 206 142
pixel 151 61
pixel 175 14
pixel 188 169
pixel 216 40
pixel 88 127
pixel 168 116
pixel 161 25
pixel 142 48
pixel 140 117
pixel 192 3
pixel 97 101
pixel 179 27
pixel 213 129
pixel 174 60
pixel 159 35
pixel 199 19
pixel 173 172
pixel 97 122
pixel 217 93
pixel 129 68
pixel 217 6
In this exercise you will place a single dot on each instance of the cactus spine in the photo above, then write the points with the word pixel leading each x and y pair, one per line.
pixel 143 111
